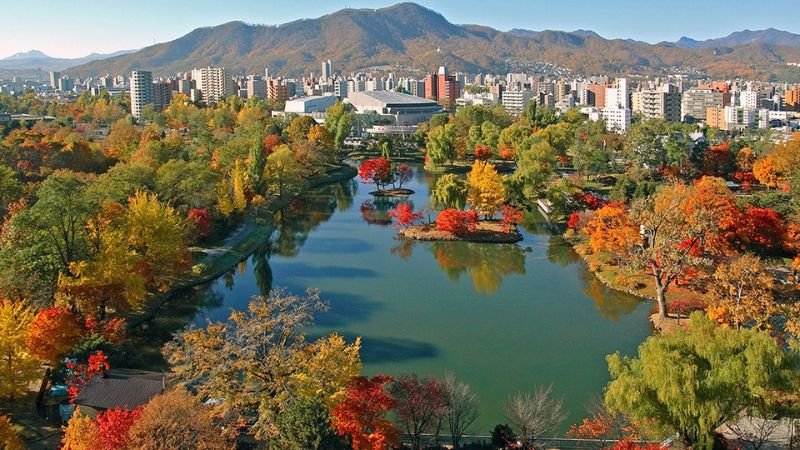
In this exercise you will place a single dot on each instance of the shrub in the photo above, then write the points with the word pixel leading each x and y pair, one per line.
pixel 457 222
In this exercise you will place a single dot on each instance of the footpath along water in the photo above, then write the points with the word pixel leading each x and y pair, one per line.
pixel 504 318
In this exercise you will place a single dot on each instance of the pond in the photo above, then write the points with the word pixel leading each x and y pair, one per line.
pixel 503 318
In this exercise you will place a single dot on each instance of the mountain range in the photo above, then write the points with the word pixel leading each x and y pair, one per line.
pixel 35 59
pixel 416 38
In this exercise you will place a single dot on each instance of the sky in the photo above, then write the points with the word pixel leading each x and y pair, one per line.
pixel 75 28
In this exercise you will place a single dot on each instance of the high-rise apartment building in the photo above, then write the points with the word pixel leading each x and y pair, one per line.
pixel 213 83
pixel 715 118
pixel 65 84
pixel 695 103
pixel 516 101
pixel 596 95
pixel 662 103
pixel 277 90
pixel 141 86
pixel 792 100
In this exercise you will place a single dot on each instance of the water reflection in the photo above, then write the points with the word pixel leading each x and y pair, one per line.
pixel 376 211
pixel 610 304
pixel 295 222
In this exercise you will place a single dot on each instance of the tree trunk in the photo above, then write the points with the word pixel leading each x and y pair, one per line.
pixel 661 299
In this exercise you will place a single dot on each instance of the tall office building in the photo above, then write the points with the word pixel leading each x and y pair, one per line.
pixel 141 84
pixel 213 83
pixel 327 70
pixel 54 77
pixel 65 84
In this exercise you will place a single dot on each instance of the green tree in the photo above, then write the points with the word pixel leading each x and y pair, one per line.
pixel 306 425
pixel 256 163
pixel 190 184
pixel 10 187
pixel 693 382
pixel 339 122
pixel 536 164
pixel 450 191
pixel 442 145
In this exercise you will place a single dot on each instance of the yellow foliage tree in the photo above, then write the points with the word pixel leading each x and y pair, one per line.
pixel 486 190
pixel 742 293
pixel 81 433
pixel 18 368
pixel 328 365
pixel 765 171
pixel 9 439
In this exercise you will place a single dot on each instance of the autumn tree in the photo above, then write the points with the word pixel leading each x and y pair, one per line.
pixel 113 426
pixel 53 333
pixel 176 420
pixel 299 128
pixel 535 414
pixel 403 173
pixel 673 238
pixel 404 215
pixel 18 367
pixel 259 359
pixel 462 408
pixel 760 229
pixel 450 192
pixel 765 171
pixel 9 439
pixel 377 171
pixel 420 404
pixel 361 415
pixel 139 247
pixel 457 222
pixel 611 229
pixel 487 193
pixel 283 175
pixel 695 381
pixel 742 293
pixel 80 434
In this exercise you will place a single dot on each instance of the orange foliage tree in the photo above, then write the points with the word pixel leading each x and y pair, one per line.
pixel 361 416
pixel 53 333
pixel 611 229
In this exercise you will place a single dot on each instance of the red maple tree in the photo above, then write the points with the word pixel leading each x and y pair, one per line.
pixel 113 426
pixel 377 171
pixel 361 416
pixel 201 219
pixel 457 222
pixel 511 216
pixel 760 228
pixel 405 216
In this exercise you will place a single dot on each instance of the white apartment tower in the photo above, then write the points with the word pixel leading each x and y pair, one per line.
pixel 141 83
pixel 516 101
pixel 327 70
pixel 213 84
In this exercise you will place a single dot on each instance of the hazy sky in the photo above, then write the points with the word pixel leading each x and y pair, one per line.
pixel 73 28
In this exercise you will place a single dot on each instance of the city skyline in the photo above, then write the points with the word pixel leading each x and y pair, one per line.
pixel 106 32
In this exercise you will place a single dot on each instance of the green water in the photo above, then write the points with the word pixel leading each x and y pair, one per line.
pixel 503 318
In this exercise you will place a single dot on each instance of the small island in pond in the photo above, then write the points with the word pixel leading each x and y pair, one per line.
pixel 400 192
pixel 382 173
pixel 487 231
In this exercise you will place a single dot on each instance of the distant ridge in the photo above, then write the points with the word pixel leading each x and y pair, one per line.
pixel 420 39
pixel 35 59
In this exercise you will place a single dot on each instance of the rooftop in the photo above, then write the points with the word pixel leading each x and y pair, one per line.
pixel 394 98
pixel 121 388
